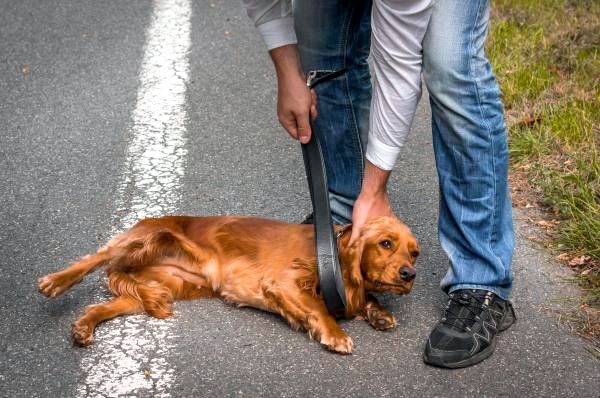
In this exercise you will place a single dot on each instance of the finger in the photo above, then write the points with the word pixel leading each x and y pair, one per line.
pixel 355 234
pixel 357 222
pixel 304 130
pixel 289 124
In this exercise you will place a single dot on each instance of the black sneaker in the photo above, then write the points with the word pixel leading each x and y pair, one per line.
pixel 465 335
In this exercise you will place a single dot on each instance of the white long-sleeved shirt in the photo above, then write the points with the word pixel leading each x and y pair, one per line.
pixel 274 21
pixel 398 28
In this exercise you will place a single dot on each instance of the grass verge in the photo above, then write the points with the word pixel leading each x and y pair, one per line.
pixel 546 55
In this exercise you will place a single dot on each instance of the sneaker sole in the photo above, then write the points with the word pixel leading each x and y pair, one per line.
pixel 480 356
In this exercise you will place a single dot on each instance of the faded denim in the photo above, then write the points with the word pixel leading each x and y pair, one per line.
pixel 469 135
pixel 333 35
pixel 475 226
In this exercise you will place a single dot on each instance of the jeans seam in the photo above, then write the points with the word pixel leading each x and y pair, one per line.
pixel 494 226
pixel 349 104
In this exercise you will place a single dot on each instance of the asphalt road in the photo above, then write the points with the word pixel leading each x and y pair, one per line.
pixel 70 83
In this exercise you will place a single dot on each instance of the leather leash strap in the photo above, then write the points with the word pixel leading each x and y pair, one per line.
pixel 330 276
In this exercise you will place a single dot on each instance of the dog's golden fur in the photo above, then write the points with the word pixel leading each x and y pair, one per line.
pixel 256 262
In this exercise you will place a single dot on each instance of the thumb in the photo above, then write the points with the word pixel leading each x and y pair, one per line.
pixel 354 235
pixel 358 220
pixel 304 131
pixel 313 105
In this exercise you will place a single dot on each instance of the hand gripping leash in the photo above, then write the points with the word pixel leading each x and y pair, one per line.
pixel 330 276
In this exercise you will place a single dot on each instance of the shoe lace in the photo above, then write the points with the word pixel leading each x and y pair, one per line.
pixel 463 310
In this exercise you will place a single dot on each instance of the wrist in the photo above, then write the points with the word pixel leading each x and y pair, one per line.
pixel 374 181
pixel 287 63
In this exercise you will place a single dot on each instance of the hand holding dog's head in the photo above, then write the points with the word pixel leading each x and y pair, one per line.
pixel 383 257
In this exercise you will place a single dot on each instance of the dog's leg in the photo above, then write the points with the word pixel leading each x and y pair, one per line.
pixel 83 328
pixel 55 284
pixel 377 316
pixel 302 309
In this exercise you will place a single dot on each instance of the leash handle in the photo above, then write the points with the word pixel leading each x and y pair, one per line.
pixel 330 276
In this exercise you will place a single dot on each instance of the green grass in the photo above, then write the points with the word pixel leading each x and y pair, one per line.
pixel 522 76
pixel 570 121
pixel 575 195
pixel 546 55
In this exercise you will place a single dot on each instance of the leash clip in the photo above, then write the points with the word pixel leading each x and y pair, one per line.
pixel 310 77
pixel 315 77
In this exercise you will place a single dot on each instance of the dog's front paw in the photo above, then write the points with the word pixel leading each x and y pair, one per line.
pixel 381 319
pixel 341 344
pixel 83 335
pixel 52 285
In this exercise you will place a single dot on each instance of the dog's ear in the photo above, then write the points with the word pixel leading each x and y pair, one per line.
pixel 351 255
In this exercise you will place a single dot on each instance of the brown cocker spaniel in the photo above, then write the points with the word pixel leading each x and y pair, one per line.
pixel 249 261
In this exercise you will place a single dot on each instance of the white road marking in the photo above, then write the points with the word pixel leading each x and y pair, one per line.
pixel 128 356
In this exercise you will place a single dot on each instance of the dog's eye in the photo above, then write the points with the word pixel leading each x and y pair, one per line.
pixel 386 243
pixel 414 254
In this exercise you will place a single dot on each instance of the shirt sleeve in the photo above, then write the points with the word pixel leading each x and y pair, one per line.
pixel 398 29
pixel 274 21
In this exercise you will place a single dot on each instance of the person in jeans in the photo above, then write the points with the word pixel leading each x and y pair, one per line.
pixel 469 136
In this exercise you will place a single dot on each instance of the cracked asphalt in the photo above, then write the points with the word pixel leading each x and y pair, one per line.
pixel 69 80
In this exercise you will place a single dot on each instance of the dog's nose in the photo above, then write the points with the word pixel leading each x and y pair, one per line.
pixel 407 274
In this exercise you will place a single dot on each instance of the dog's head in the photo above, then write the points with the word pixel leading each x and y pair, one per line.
pixel 383 257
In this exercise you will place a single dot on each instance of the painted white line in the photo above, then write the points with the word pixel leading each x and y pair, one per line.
pixel 128 356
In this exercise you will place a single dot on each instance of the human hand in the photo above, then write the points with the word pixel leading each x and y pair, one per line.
pixel 372 201
pixel 366 207
pixel 296 103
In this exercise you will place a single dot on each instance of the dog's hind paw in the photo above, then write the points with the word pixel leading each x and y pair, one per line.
pixel 82 334
pixel 52 285
pixel 340 344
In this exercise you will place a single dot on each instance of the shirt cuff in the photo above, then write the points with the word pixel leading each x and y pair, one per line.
pixel 278 32
pixel 382 155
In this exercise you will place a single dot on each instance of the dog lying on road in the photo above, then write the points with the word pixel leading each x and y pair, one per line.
pixel 246 261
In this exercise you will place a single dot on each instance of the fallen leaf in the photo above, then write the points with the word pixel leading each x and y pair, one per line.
pixel 546 224
pixel 535 239
pixel 25 70
pixel 579 261
pixel 586 271
pixel 146 373
pixel 529 121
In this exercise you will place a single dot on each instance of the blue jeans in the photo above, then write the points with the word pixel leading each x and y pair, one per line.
pixel 333 35
pixel 469 139
pixel 469 135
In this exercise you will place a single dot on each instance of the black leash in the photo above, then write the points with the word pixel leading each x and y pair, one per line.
pixel 330 275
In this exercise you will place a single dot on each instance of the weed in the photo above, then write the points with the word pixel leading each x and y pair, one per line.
pixel 546 56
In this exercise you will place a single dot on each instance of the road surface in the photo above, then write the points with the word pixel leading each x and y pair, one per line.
pixel 116 110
